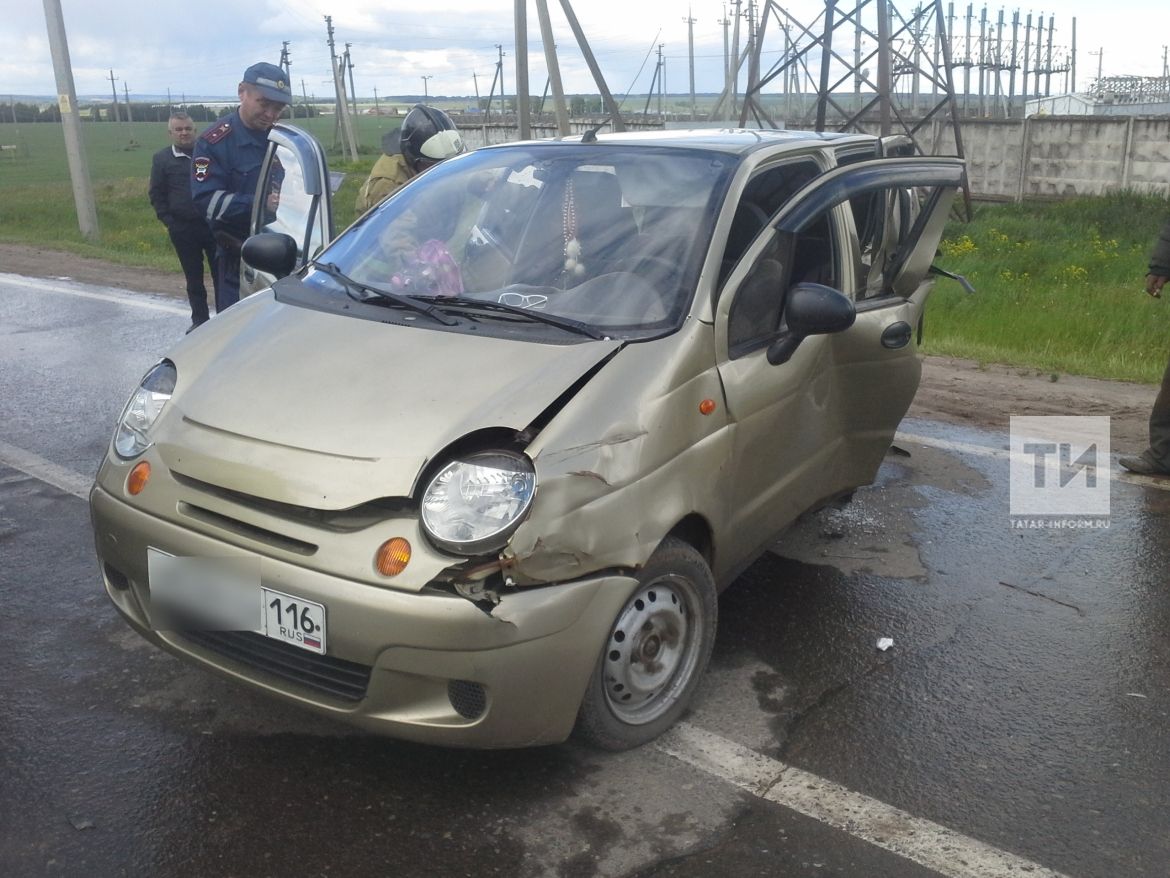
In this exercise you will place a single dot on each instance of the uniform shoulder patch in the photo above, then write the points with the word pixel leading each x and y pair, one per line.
pixel 200 167
pixel 218 133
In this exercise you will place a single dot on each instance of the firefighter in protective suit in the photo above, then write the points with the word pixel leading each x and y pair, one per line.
pixel 427 137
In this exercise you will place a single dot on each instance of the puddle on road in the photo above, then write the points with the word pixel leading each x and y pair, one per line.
pixel 879 531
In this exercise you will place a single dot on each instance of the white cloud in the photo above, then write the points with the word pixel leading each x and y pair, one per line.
pixel 202 48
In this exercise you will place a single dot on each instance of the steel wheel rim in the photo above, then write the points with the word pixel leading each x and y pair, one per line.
pixel 653 649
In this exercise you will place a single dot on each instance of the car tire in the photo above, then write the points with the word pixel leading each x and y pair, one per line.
pixel 655 654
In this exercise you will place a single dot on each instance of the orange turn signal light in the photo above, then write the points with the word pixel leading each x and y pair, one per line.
pixel 706 406
pixel 138 478
pixel 393 556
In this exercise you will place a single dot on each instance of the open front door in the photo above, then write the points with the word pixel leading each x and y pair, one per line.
pixel 292 198
pixel 821 422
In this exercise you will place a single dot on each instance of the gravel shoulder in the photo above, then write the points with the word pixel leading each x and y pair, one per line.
pixel 952 390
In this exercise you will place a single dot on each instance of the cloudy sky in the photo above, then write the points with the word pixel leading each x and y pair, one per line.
pixel 201 48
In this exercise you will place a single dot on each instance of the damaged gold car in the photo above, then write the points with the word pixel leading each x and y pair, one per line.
pixel 474 472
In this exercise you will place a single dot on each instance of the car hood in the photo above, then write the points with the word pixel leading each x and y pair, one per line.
pixel 330 411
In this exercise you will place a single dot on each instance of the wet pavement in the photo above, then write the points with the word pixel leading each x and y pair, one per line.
pixel 1023 704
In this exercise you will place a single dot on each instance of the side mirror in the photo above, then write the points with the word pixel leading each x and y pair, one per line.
pixel 271 252
pixel 812 309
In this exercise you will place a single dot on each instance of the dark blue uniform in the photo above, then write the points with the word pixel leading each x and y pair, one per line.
pixel 225 168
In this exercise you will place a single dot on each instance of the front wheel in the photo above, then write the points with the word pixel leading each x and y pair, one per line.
pixel 655 654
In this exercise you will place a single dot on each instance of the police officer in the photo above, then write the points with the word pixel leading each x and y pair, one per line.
pixel 170 195
pixel 225 169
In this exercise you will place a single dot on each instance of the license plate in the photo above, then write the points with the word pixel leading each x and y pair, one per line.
pixel 293 620
pixel 225 594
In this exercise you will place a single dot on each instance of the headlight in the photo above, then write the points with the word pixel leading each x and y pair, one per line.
pixel 143 410
pixel 473 504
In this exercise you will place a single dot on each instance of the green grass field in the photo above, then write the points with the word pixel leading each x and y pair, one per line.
pixel 36 198
pixel 1059 288
pixel 1059 284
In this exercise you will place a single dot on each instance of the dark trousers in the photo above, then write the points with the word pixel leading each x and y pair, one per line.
pixel 1159 451
pixel 193 243
pixel 227 257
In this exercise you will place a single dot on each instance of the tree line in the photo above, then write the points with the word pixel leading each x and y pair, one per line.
pixel 139 112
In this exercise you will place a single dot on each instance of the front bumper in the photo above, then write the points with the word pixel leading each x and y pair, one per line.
pixel 440 669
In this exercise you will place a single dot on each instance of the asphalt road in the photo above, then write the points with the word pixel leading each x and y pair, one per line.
pixel 1017 726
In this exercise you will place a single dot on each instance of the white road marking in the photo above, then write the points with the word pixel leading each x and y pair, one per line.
pixel 68 286
pixel 913 838
pixel 30 464
pixel 1117 475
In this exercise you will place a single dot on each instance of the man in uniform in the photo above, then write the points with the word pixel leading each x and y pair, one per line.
pixel 225 168
pixel 170 195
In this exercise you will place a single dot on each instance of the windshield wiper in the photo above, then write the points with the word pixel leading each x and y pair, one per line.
pixel 354 288
pixel 566 323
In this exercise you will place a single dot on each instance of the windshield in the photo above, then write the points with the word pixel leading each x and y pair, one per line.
pixel 608 236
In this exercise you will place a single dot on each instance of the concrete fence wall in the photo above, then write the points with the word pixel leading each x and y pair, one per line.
pixel 1009 160
pixel 1059 156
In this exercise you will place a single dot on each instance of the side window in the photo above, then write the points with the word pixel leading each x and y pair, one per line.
pixel 285 206
pixel 764 194
pixel 757 311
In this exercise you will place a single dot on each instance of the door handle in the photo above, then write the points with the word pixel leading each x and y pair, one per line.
pixel 897 335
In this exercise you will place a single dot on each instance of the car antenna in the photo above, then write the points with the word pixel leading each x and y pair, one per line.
pixel 590 136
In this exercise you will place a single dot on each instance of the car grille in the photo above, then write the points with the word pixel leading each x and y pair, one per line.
pixel 321 673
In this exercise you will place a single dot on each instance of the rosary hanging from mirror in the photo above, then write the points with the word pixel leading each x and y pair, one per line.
pixel 573 263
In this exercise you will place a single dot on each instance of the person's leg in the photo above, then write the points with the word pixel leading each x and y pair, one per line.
pixel 1155 460
pixel 190 255
pixel 207 245
pixel 227 292
pixel 1159 451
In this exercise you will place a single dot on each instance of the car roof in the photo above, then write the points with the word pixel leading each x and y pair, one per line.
pixel 736 141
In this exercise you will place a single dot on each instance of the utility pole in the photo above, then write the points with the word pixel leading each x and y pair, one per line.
pixel 129 111
pixel 1048 66
pixel 1014 61
pixel 607 100
pixel 690 23
pixel 285 65
pixel 114 88
pixel 733 70
pixel 341 107
pixel 661 81
pixel 304 98
pixel 554 69
pixel 725 22
pixel 87 220
pixel 500 63
pixel 377 109
pixel 352 90
pixel 425 77
pixel 523 91
pixel 168 101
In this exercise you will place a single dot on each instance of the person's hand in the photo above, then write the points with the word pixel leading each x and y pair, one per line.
pixel 1154 284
